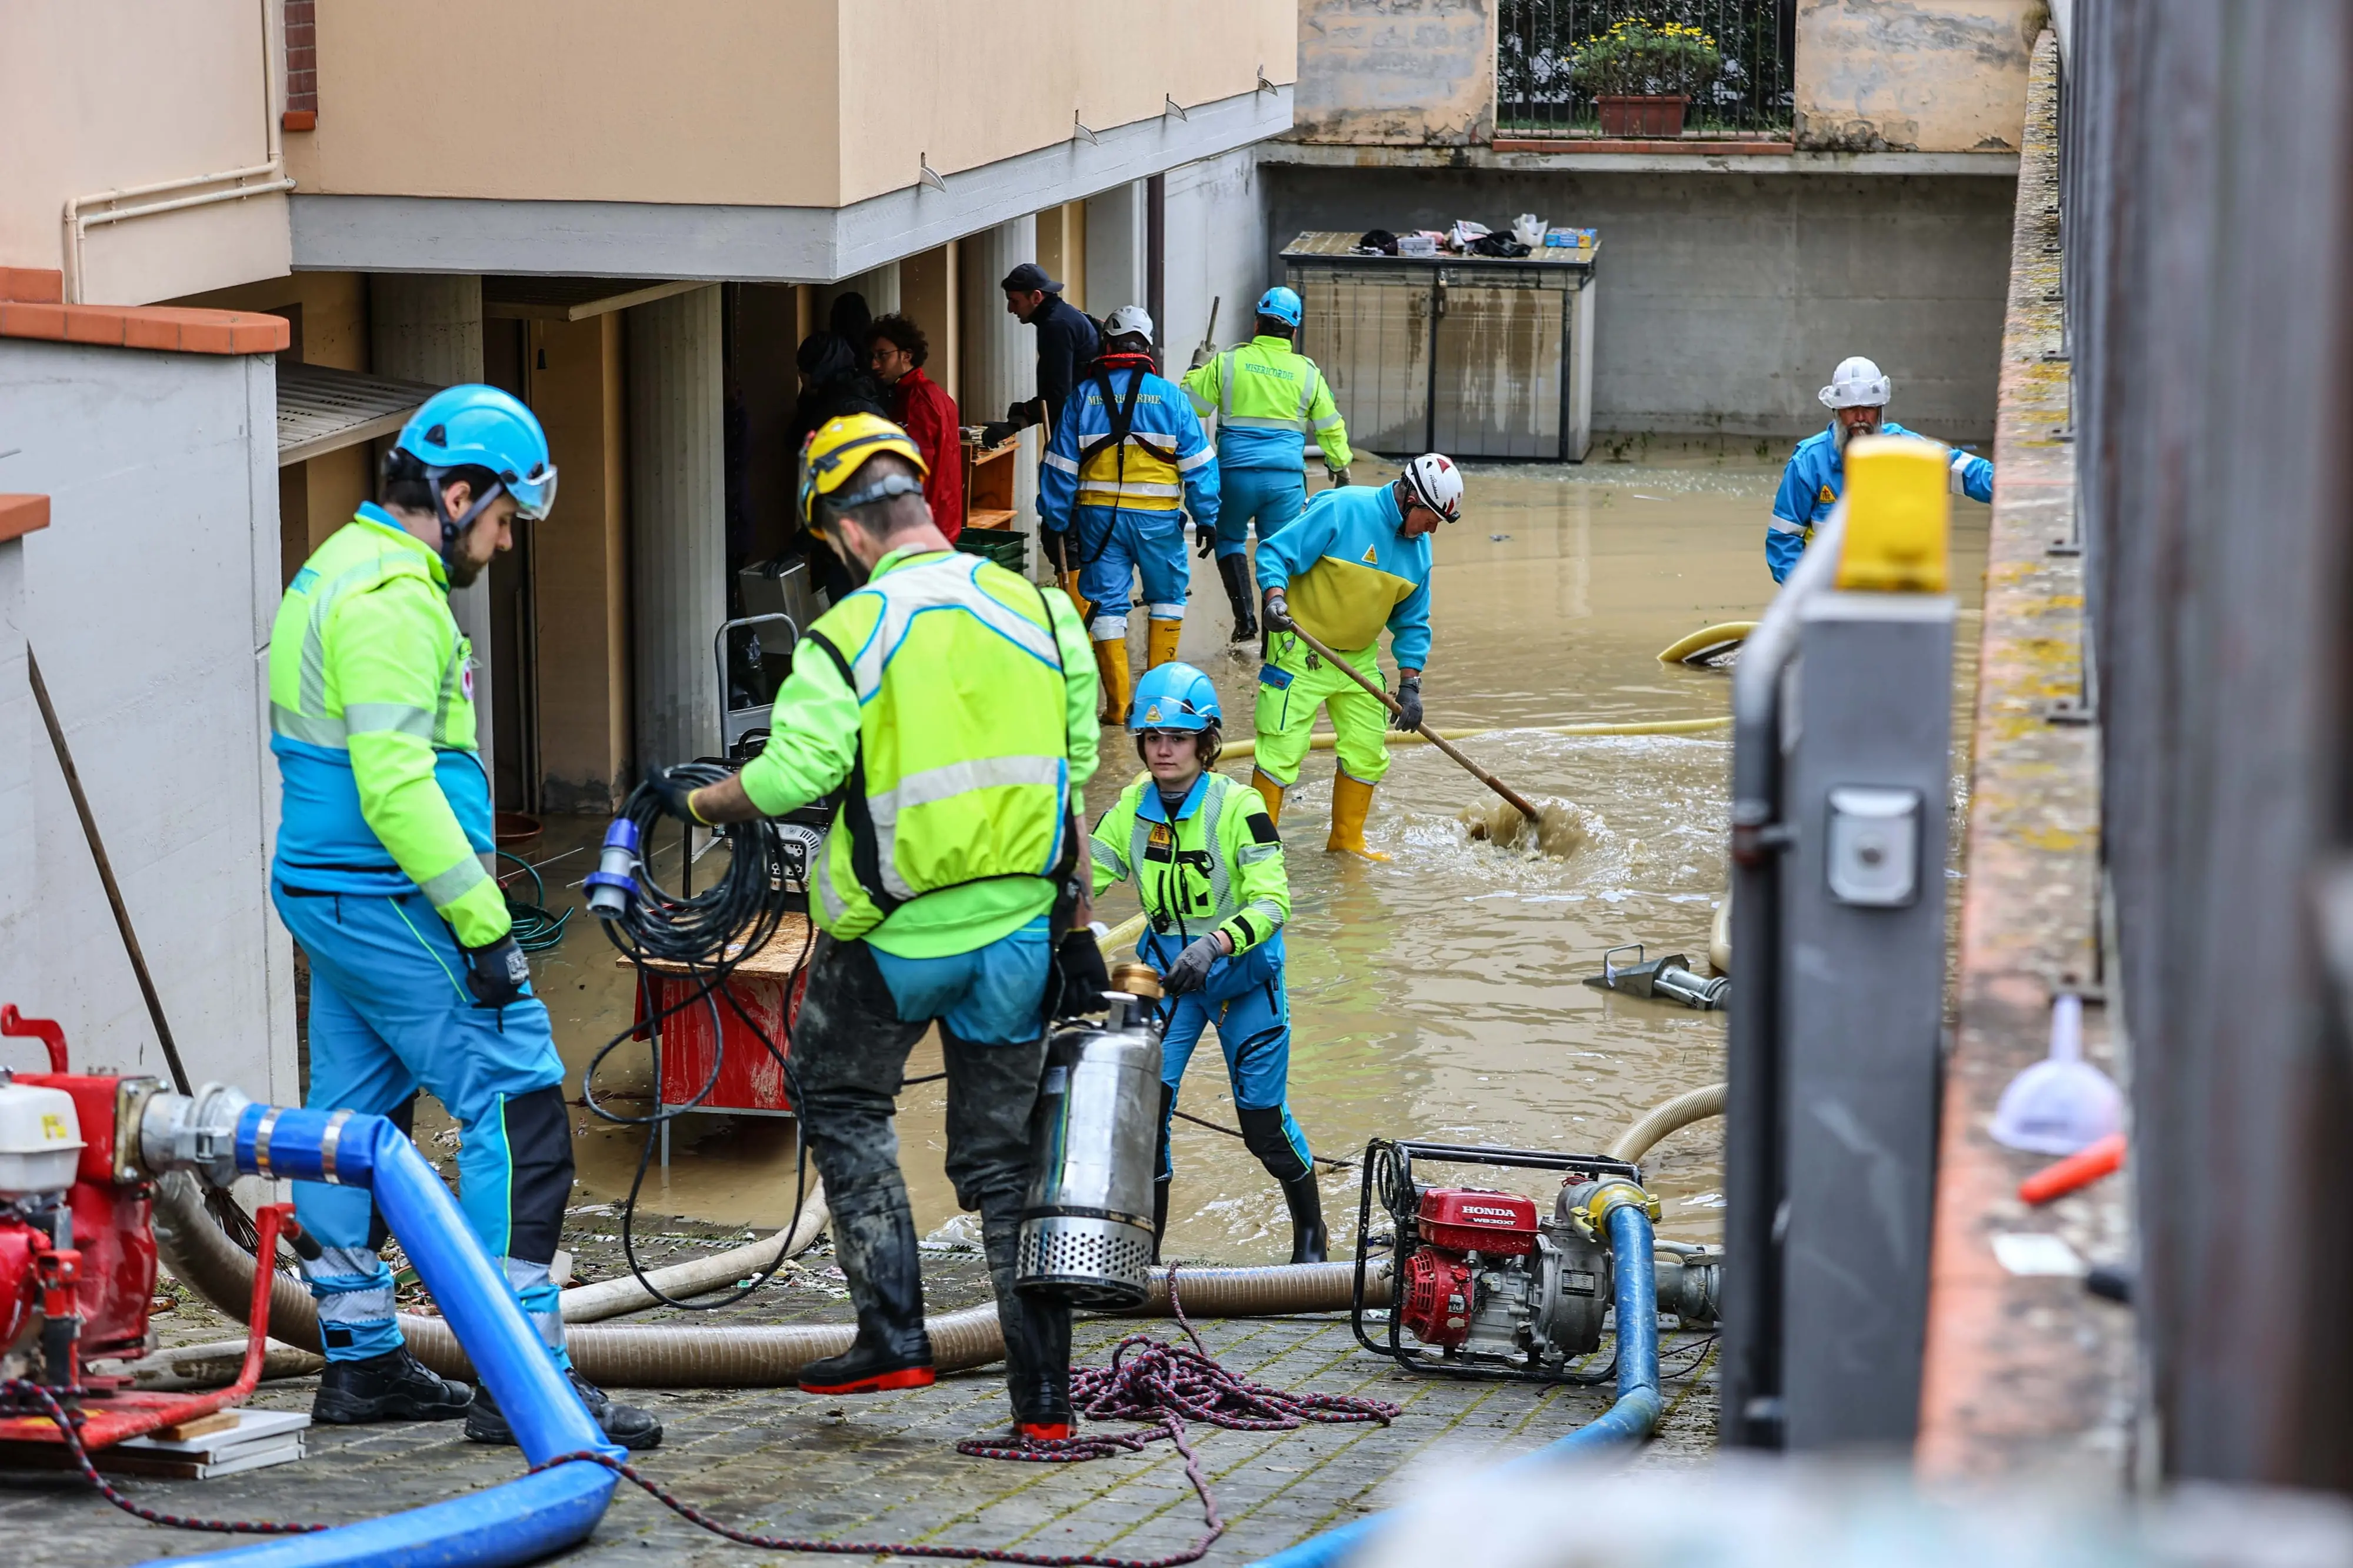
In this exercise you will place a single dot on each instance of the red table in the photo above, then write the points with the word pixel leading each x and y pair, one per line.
pixel 750 1079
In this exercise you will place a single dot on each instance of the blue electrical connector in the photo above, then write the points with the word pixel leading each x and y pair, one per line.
pixel 613 884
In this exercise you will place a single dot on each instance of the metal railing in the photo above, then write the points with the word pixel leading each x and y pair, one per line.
pixel 1748 100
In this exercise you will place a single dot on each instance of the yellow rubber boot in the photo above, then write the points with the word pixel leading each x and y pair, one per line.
pixel 1164 642
pixel 1070 587
pixel 1270 792
pixel 1111 663
pixel 1352 798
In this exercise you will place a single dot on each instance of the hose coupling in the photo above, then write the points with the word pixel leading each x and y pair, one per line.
pixel 1591 1205
pixel 193 1132
pixel 613 884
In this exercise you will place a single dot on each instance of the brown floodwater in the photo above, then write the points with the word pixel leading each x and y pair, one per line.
pixel 1439 995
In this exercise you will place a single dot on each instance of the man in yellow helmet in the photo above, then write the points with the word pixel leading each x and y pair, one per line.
pixel 951 703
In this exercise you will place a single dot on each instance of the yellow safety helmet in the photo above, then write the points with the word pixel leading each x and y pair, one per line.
pixel 840 448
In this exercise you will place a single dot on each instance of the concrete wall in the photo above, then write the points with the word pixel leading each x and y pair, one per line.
pixel 1727 298
pixel 760 102
pixel 1216 250
pixel 1913 75
pixel 100 98
pixel 1417 73
pixel 146 600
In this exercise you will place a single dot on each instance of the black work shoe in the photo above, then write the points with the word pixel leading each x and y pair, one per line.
pixel 394 1386
pixel 1306 1204
pixel 624 1424
pixel 865 1369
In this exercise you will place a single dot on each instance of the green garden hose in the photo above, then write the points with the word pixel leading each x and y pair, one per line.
pixel 535 931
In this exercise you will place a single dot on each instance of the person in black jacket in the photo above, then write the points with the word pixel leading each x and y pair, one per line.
pixel 834 383
pixel 1067 345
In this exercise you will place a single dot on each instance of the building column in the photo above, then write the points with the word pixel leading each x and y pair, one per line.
pixel 678 531
pixel 1000 354
pixel 429 327
pixel 580 567
pixel 1115 242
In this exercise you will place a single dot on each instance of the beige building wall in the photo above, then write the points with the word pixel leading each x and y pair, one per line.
pixel 1930 77
pixel 98 98
pixel 1397 72
pixel 749 103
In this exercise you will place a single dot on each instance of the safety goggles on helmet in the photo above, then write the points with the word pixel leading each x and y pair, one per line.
pixel 840 448
pixel 1174 696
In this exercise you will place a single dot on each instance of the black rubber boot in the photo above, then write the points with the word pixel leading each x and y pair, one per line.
pixel 1241 594
pixel 1037 1364
pixel 624 1424
pixel 867 1368
pixel 1159 1214
pixel 394 1386
pixel 1306 1204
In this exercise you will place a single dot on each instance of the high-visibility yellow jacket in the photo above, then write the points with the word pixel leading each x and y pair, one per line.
pixel 1264 394
pixel 1217 867
pixel 1165 455
pixel 372 719
pixel 953 703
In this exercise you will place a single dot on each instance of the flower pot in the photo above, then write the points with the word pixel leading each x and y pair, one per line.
pixel 1637 117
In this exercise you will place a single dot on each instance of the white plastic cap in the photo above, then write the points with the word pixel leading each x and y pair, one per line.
pixel 2062 1104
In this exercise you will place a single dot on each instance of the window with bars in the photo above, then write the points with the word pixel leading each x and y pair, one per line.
pixel 1741 94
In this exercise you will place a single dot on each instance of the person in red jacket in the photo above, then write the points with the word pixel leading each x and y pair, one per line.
pixel 896 349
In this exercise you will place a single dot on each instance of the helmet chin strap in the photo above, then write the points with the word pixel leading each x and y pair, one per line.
pixel 454 529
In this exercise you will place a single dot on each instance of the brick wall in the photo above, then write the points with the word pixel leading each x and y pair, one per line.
pixel 301 65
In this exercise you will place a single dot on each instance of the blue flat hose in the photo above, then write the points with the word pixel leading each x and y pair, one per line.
pixel 1630 1421
pixel 519 1521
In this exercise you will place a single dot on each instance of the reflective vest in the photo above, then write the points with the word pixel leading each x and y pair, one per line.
pixel 1218 866
pixel 1265 393
pixel 1129 440
pixel 372 719
pixel 963 769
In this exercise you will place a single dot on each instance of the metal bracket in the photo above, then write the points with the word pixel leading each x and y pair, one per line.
pixel 1174 108
pixel 929 175
pixel 1264 85
pixel 2070 710
pixel 1078 128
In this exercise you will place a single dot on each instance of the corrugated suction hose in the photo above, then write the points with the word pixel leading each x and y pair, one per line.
pixel 717 1355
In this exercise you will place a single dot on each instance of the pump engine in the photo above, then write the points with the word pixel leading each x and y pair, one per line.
pixel 1487 1286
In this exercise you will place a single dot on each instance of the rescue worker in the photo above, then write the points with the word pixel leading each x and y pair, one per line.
pixel 1067 342
pixel 416 980
pixel 959 741
pixel 1857 398
pixel 1209 869
pixel 1263 392
pixel 1126 448
pixel 1358 560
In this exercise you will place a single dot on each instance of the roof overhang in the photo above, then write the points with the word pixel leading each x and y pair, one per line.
pixel 709 243
pixel 572 298
pixel 323 410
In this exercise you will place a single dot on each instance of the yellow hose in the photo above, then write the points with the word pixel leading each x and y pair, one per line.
pixel 1323 741
pixel 1656 1123
pixel 1707 639
pixel 1719 937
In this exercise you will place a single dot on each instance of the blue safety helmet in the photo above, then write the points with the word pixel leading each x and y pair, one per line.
pixel 479 427
pixel 1174 696
pixel 1282 304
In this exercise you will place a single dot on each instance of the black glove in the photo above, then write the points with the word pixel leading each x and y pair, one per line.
pixel 497 974
pixel 1055 546
pixel 1191 969
pixel 674 789
pixel 1408 697
pixel 1023 414
pixel 996 435
pixel 1205 540
pixel 1277 615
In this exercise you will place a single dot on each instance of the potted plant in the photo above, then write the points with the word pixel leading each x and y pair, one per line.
pixel 1641 75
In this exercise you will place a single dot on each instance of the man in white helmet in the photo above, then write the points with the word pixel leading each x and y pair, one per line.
pixel 1857 398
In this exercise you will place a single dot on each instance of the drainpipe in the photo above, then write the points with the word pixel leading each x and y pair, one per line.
pixel 1629 1422
pixel 272 173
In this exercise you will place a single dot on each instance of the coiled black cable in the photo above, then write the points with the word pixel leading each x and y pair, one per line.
pixel 709 933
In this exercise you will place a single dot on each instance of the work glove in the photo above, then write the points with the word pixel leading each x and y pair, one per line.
pixel 996 435
pixel 1205 540
pixel 1337 475
pixel 1409 698
pixel 1055 544
pixel 1191 969
pixel 675 791
pixel 1277 611
pixel 497 974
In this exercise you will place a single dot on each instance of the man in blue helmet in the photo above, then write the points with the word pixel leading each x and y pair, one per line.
pixel 416 980
pixel 1265 393
pixel 1209 869
pixel 1857 397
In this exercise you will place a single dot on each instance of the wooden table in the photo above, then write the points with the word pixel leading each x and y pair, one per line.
pixel 768 986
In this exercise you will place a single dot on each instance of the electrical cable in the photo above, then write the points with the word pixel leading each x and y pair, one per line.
pixel 709 934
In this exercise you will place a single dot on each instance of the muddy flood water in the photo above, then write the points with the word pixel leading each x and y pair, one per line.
pixel 1436 995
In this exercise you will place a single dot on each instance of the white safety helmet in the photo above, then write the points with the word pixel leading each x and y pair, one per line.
pixel 1857 384
pixel 1129 321
pixel 1437 484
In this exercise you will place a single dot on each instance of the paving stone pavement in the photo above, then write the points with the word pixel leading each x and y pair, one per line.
pixel 885 1469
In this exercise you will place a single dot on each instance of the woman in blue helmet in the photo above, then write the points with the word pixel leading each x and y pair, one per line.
pixel 1209 869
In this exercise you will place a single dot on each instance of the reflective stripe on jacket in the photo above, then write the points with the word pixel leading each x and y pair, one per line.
pixel 372 719
pixel 1347 571
pixel 1263 393
pixel 1167 454
pixel 953 703
pixel 1217 867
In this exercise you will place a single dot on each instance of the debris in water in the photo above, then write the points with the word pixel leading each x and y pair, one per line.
pixel 1560 828
pixel 1499 538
